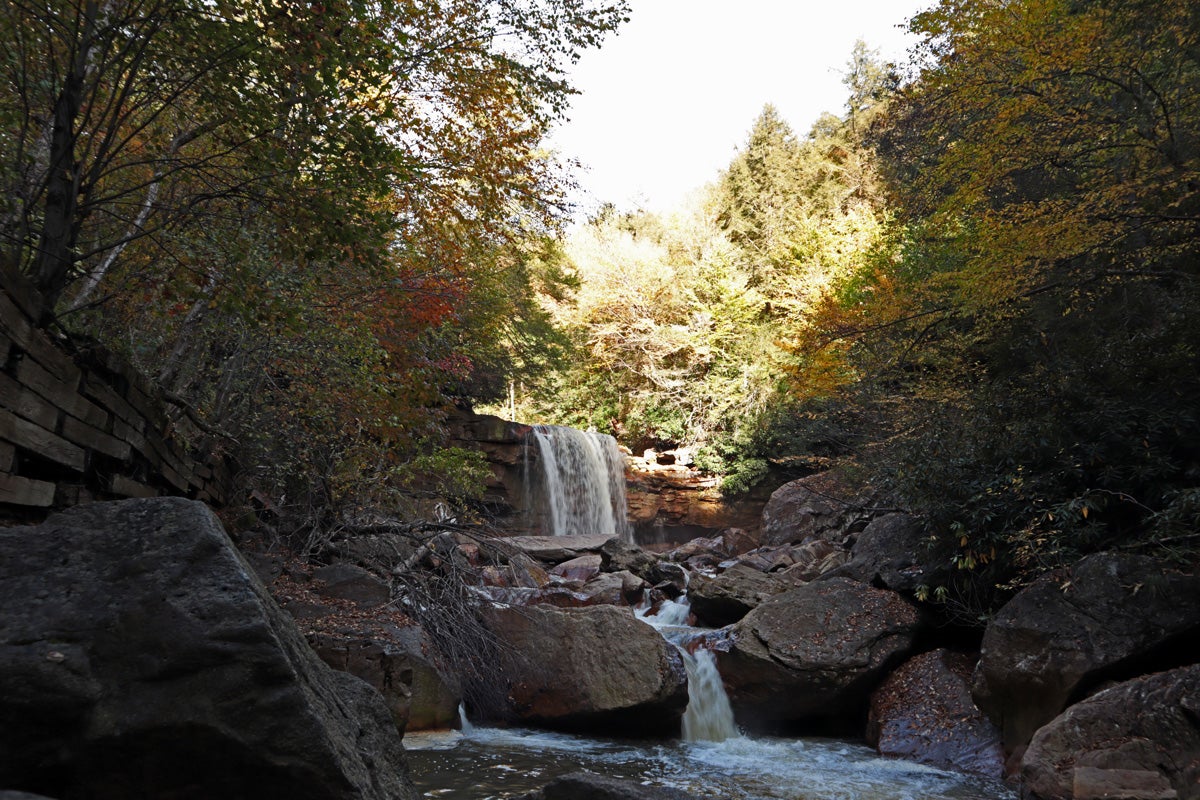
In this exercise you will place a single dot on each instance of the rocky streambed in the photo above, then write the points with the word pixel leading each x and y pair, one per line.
pixel 141 655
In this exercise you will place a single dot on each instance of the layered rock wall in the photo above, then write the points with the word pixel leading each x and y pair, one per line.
pixel 78 423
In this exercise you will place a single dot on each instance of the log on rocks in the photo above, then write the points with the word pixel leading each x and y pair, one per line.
pixel 141 657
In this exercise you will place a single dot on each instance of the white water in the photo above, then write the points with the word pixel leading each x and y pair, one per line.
pixel 709 716
pixel 496 763
pixel 582 482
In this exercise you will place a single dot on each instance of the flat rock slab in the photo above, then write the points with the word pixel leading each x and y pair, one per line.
pixel 555 549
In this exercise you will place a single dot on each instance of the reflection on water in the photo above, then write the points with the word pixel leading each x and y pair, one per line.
pixel 501 763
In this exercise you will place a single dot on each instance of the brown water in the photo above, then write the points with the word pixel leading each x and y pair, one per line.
pixel 493 764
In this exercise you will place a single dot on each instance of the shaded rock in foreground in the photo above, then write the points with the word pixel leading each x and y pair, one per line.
pixel 1138 739
pixel 1107 617
pixel 403 666
pixel 590 668
pixel 814 653
pixel 890 553
pixel 923 712
pixel 141 658
pixel 589 786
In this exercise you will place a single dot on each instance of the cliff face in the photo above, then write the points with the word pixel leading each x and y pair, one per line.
pixel 675 502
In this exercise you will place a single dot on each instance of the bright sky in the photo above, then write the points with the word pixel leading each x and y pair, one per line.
pixel 667 101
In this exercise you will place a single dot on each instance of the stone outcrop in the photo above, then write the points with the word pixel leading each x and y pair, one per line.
pixel 674 502
pixel 590 668
pixel 141 657
pixel 923 712
pixel 1107 617
pixel 814 653
pixel 820 506
pixel 557 549
pixel 1136 740
pixel 78 423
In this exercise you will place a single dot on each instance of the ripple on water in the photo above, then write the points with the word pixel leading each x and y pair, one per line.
pixel 496 763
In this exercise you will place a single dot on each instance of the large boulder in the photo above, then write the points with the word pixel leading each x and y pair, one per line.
pixel 1109 617
pixel 725 598
pixel 890 553
pixel 140 656
pixel 820 506
pixel 590 668
pixel 813 654
pixel 1139 739
pixel 923 712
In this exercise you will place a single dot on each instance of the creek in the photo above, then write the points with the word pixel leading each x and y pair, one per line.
pixel 576 481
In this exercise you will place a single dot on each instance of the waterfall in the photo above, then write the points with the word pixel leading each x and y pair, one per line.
pixel 582 482
pixel 709 716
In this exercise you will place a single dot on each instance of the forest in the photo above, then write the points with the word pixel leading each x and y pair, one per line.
pixel 323 226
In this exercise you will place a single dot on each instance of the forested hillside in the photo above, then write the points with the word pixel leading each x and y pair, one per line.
pixel 974 288
pixel 320 226
pixel 315 224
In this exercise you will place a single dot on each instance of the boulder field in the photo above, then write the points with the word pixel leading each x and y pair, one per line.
pixel 139 631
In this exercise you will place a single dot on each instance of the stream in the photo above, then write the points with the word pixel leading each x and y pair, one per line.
pixel 494 763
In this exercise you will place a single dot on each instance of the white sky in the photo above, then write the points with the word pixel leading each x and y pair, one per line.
pixel 667 101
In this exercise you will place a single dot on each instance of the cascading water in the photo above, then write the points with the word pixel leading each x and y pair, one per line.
pixel 581 480
pixel 709 716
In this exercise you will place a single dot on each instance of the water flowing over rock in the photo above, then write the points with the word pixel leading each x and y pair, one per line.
pixel 594 668
pixel 1107 617
pixel 141 657
pixel 580 483
pixel 1138 739
pixel 814 653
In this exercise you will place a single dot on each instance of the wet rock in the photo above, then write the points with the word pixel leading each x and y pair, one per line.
pixel 590 786
pixel 814 653
pixel 890 553
pixel 1139 739
pixel 139 653
pixel 924 712
pixel 700 546
pixel 1107 617
pixel 819 506
pixel 735 541
pixel 725 598
pixel 596 668
pixel 349 582
pixel 403 666
pixel 667 577
pixel 580 568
